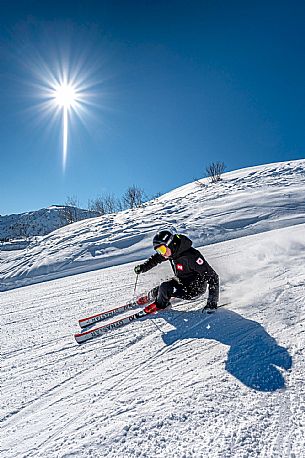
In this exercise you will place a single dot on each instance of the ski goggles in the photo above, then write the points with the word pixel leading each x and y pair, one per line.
pixel 161 249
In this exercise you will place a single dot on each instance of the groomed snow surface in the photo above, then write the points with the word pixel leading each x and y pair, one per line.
pixel 179 384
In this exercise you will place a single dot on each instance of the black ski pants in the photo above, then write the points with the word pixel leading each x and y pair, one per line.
pixel 173 288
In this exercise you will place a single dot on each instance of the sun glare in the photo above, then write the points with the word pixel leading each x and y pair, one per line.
pixel 65 95
pixel 66 91
pixel 64 72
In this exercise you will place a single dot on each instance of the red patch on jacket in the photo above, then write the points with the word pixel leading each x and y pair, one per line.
pixel 179 267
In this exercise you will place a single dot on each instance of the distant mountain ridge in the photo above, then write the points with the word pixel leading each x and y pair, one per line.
pixel 41 222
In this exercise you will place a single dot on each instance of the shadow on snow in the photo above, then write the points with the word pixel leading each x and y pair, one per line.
pixel 254 356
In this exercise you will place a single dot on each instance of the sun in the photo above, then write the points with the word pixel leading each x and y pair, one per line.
pixel 64 74
pixel 67 92
pixel 65 95
pixel 66 98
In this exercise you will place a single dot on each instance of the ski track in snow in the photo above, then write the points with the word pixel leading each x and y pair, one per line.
pixel 230 384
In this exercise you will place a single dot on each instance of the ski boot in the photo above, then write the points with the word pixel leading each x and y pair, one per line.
pixel 153 308
pixel 149 297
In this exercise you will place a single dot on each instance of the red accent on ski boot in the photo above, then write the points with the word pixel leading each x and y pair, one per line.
pixel 142 300
pixel 151 308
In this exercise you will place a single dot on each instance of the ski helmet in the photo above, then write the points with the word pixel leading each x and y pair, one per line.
pixel 163 238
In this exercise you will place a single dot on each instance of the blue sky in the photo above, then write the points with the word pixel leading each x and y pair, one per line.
pixel 173 85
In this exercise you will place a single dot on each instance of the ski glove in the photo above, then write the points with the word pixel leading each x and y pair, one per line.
pixel 211 305
pixel 138 269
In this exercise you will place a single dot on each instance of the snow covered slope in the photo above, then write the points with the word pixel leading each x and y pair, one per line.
pixel 248 201
pixel 229 385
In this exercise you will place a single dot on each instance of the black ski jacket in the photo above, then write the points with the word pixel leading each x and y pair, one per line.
pixel 189 266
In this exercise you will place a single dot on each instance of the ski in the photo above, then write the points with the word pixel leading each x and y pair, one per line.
pixel 84 322
pixel 91 334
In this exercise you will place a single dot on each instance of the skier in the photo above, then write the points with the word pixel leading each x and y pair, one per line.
pixel 192 273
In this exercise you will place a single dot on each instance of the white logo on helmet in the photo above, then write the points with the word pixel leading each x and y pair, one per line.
pixel 167 239
pixel 200 261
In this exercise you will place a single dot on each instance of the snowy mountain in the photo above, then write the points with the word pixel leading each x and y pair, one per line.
pixel 180 383
pixel 41 222
pixel 248 201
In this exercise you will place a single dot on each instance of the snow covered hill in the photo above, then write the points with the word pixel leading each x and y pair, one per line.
pixel 247 201
pixel 41 222
pixel 178 384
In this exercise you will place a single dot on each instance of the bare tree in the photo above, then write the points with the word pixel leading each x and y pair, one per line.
pixel 133 197
pixel 110 203
pixel 69 214
pixel 215 170
pixel 107 203
pixel 119 205
pixel 72 201
pixel 69 211
pixel 97 205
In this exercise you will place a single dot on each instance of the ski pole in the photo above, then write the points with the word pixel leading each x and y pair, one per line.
pixel 135 286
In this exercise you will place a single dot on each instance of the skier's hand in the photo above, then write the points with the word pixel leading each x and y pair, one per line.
pixel 211 305
pixel 138 269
